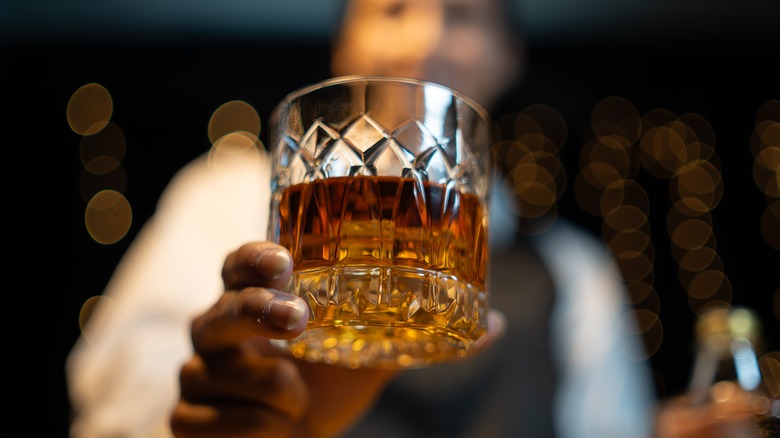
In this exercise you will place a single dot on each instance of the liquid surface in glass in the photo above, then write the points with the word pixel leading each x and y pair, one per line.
pixel 393 269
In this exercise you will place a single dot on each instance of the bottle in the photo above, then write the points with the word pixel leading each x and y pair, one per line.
pixel 726 353
pixel 723 398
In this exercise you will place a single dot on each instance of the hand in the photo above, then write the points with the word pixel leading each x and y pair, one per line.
pixel 238 385
pixel 732 414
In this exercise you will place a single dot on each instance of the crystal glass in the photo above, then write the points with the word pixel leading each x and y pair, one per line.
pixel 380 191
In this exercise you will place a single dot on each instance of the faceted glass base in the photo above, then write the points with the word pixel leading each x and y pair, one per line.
pixel 386 317
pixel 356 345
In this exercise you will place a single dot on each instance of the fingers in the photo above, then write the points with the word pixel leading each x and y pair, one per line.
pixel 252 305
pixel 241 316
pixel 271 383
pixel 231 387
pixel 264 264
pixel 190 420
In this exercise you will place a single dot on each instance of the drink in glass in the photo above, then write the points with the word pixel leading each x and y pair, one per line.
pixel 380 190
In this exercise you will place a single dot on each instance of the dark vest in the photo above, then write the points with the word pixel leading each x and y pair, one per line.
pixel 505 391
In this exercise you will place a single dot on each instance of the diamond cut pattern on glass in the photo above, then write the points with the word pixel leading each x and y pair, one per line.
pixel 363 147
pixel 381 259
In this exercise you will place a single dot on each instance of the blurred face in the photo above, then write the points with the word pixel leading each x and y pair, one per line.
pixel 463 44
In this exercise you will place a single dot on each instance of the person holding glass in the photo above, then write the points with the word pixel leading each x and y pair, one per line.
pixel 186 346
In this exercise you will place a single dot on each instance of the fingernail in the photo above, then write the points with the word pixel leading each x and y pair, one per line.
pixel 286 314
pixel 276 263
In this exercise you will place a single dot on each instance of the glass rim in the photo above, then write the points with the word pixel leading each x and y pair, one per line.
pixel 348 79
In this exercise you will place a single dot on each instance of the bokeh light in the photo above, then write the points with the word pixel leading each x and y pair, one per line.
pixel 766 171
pixel 679 149
pixel 103 151
pixel 89 109
pixel 699 259
pixel 626 217
pixel 549 121
pixel 692 234
pixel 613 151
pixel 236 146
pixel 662 151
pixel 765 147
pixel 644 296
pixel 616 116
pixel 102 148
pixel 108 217
pixel 701 129
pixel 233 116
pixel 629 244
pixel 89 322
pixel 92 183
pixel 770 225
pixel 525 148
pixel 624 192
pixel 698 185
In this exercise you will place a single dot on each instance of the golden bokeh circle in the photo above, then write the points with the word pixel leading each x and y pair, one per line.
pixel 769 134
pixel 92 183
pixel 232 116
pixel 635 268
pixel 691 234
pixel 638 291
pixel 547 120
pixel 102 152
pixel 629 244
pixel 89 109
pixel 680 212
pixel 512 152
pixel 769 158
pixel 615 115
pixel 700 126
pixel 108 217
pixel 662 152
pixel 657 117
pixel 90 321
pixel 708 283
pixel 237 146
pixel 698 259
pixel 535 142
pixel 600 175
pixel 758 136
pixel 769 110
pixel 624 192
pixel 626 218
pixel 699 186
pixel 766 171
pixel 613 152
pixel 686 276
pixel 770 225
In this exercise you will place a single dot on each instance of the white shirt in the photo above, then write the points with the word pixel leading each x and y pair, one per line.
pixel 124 380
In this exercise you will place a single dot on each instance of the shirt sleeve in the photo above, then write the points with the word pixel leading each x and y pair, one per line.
pixel 604 390
pixel 123 378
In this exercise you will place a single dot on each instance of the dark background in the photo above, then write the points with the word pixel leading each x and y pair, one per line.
pixel 166 85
